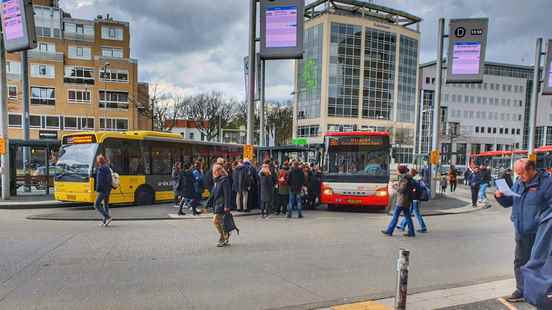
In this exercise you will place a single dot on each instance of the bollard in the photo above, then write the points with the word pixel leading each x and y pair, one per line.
pixel 402 279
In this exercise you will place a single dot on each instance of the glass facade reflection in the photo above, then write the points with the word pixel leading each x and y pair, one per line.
pixel 344 70
pixel 379 74
pixel 408 68
pixel 310 74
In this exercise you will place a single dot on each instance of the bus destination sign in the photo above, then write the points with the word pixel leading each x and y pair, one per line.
pixel 352 141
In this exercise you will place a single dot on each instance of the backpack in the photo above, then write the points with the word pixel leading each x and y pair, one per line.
pixel 282 178
pixel 115 180
pixel 424 192
pixel 411 189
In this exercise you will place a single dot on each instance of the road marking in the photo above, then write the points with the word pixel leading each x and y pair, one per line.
pixel 507 304
pixel 368 305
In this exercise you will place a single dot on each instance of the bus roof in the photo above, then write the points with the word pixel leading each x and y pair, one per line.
pixel 356 133
pixel 141 135
pixel 501 153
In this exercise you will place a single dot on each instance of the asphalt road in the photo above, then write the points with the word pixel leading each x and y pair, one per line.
pixel 318 260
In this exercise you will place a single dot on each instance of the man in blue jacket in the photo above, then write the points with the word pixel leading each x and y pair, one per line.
pixel 534 202
pixel 103 189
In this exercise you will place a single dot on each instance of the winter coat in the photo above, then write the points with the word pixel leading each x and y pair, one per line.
pixel 486 176
pixel 103 180
pixel 208 180
pixel 266 186
pixel 404 187
pixel 534 203
pixel 474 180
pixel 296 180
pixel 314 184
pixel 235 179
pixel 221 195
pixel 186 184
pixel 245 178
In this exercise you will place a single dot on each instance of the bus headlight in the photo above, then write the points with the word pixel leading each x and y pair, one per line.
pixel 327 191
pixel 382 192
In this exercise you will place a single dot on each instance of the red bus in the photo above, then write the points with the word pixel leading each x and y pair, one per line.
pixel 544 158
pixel 356 169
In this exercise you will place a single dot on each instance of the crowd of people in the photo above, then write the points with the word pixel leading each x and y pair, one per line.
pixel 243 185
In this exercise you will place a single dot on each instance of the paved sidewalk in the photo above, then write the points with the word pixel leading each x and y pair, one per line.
pixel 481 296
pixel 34 202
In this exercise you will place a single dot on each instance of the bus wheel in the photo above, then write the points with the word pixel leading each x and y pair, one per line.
pixel 144 196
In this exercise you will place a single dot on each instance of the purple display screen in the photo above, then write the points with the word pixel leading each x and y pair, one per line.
pixel 550 75
pixel 281 26
pixel 466 58
pixel 12 14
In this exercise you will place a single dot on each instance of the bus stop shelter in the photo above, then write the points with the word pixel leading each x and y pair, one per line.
pixel 309 153
pixel 37 175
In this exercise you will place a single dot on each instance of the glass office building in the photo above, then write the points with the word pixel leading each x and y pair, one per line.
pixel 359 71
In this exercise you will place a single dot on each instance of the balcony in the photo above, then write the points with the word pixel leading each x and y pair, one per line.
pixel 38 55
pixel 79 36
pixel 79 80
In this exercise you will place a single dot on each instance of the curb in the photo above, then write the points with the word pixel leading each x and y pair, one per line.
pixel 31 206
pixel 130 219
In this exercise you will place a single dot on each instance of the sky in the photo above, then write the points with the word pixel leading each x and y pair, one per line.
pixel 192 46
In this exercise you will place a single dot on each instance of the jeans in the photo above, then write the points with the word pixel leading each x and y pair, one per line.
pixel 524 244
pixel 483 192
pixel 395 219
pixel 295 202
pixel 266 207
pixel 474 194
pixel 104 211
pixel 415 208
pixel 241 200
pixel 188 202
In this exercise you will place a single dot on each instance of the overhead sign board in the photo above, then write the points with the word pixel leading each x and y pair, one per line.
pixel 282 29
pixel 18 25
pixel 466 53
pixel 547 89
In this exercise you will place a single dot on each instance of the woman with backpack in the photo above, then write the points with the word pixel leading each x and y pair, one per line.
pixel 405 188
pixel 416 204
pixel 266 189
pixel 103 186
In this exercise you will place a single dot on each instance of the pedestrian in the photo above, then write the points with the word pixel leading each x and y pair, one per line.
pixel 283 190
pixel 199 180
pixel 313 187
pixel 485 182
pixel 235 182
pixel 103 189
pixel 266 189
pixel 415 206
pixel 245 181
pixel 443 183
pixel 296 182
pixel 186 189
pixel 535 201
pixel 405 188
pixel 220 200
pixel 175 175
pixel 467 175
pixel 209 183
pixel 507 176
pixel 474 182
pixel 452 178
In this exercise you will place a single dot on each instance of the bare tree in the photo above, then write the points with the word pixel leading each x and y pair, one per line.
pixel 279 122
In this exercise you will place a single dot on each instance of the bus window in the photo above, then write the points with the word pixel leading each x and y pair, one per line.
pixel 116 156
pixel 135 159
pixel 161 160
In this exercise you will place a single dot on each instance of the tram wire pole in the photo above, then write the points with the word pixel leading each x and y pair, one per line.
pixel 5 158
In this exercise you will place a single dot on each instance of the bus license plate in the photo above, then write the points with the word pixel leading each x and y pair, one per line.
pixel 354 201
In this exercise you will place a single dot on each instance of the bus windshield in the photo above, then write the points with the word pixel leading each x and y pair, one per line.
pixel 75 161
pixel 358 160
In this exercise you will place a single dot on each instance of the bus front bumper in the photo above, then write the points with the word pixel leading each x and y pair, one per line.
pixel 74 192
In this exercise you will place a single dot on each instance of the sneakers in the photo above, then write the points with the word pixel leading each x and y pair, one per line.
pixel 385 233
pixel 220 244
pixel 423 231
pixel 109 220
pixel 516 296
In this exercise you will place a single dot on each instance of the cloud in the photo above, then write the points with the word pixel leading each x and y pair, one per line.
pixel 191 46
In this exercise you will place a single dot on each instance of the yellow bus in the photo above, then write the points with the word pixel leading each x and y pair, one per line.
pixel 143 159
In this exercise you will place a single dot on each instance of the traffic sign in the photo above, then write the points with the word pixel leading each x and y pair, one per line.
pixel 435 157
pixel 2 146
pixel 248 151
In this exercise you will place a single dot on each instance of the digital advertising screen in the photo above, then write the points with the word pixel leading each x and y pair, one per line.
pixel 12 21
pixel 550 75
pixel 281 26
pixel 466 58
pixel 547 89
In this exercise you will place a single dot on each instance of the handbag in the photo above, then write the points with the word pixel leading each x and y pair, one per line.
pixel 228 223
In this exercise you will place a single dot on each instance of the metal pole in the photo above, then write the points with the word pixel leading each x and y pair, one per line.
pixel 402 279
pixel 5 159
pixel 251 95
pixel 262 140
pixel 437 100
pixel 534 98
pixel 25 117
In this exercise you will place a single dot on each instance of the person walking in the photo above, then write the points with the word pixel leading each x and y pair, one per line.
pixel 474 182
pixel 283 190
pixel 185 187
pixel 103 188
pixel 405 188
pixel 534 202
pixel 443 183
pixel 220 200
pixel 452 178
pixel 266 190
pixel 485 182
pixel 199 180
pixel 175 175
pixel 296 182
pixel 467 175
pixel 415 206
